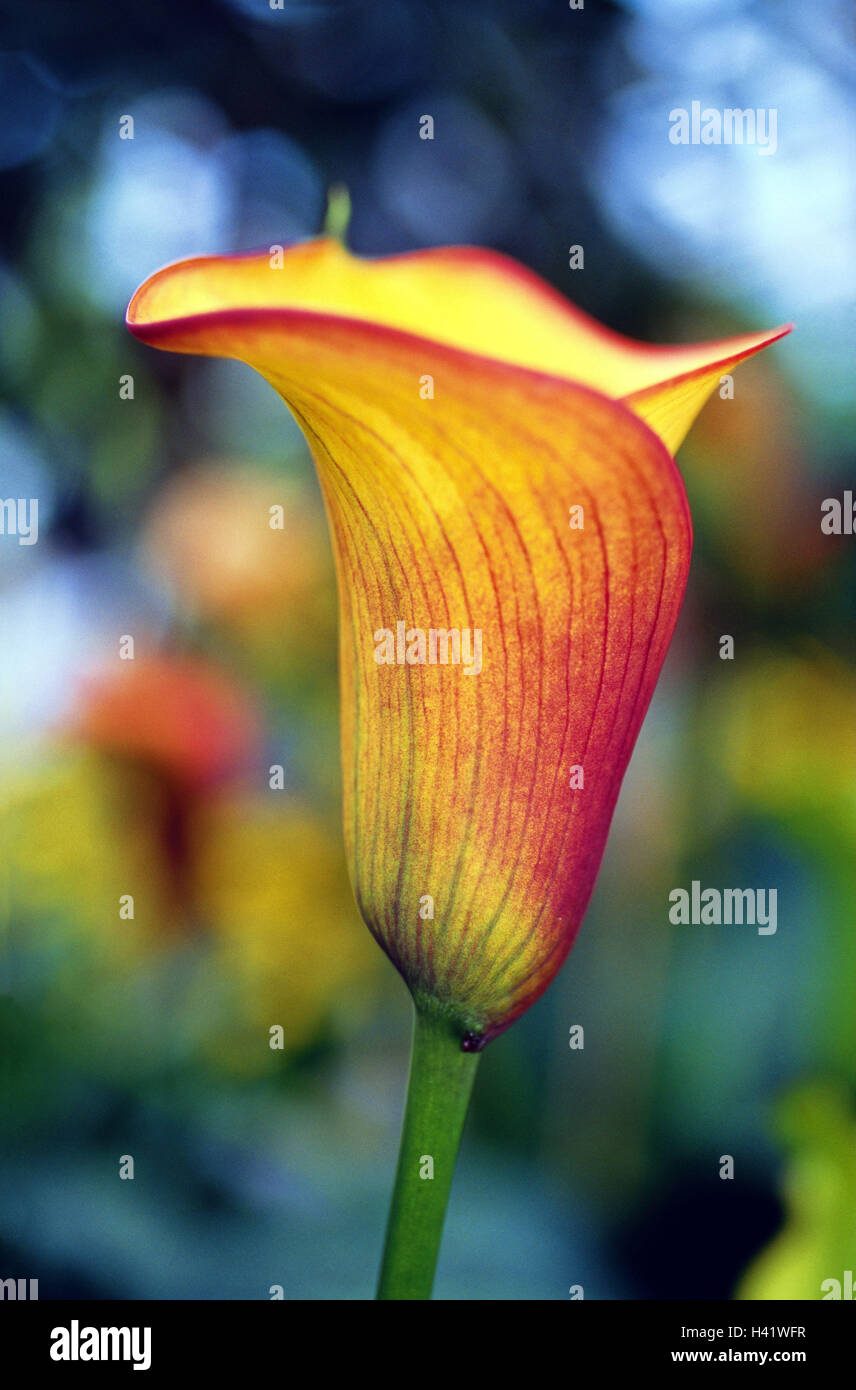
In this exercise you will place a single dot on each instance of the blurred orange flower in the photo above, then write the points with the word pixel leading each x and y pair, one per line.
pixel 240 545
pixel 177 715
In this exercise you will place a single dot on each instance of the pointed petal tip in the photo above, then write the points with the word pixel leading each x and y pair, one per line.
pixel 670 404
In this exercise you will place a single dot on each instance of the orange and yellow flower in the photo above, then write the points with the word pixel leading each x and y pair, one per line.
pixel 492 460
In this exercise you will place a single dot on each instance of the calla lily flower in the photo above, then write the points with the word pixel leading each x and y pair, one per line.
pixel 512 541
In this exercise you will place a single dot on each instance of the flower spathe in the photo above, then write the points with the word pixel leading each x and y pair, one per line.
pixel 491 460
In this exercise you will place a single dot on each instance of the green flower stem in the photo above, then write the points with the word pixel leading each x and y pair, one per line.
pixel 438 1096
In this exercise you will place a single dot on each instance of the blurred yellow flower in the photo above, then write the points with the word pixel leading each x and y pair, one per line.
pixel 267 883
pixel 815 1250
pixel 273 890
pixel 70 857
pixel 783 729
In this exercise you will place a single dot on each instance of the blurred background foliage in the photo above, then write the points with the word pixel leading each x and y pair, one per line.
pixel 150 1036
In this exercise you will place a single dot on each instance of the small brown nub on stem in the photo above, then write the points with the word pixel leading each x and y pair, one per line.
pixel 473 1042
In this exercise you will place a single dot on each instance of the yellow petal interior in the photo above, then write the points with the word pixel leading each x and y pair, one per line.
pixel 473 300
